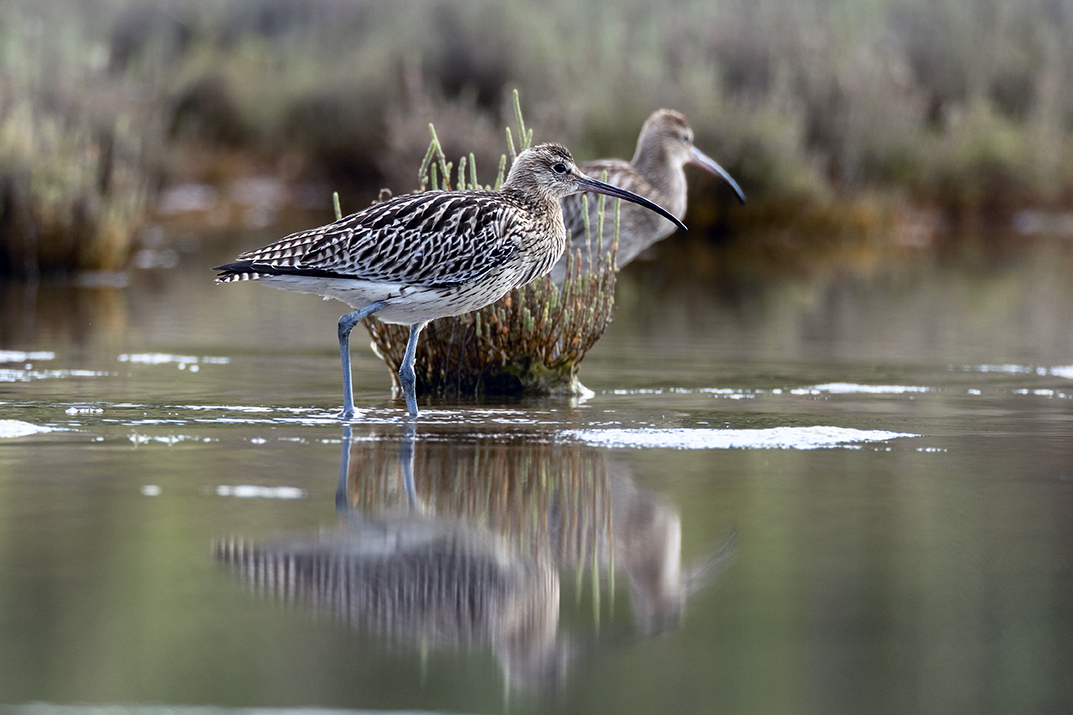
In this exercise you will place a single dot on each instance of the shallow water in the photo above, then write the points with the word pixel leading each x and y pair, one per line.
pixel 841 487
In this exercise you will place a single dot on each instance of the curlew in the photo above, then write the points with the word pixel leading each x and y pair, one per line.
pixel 656 172
pixel 433 254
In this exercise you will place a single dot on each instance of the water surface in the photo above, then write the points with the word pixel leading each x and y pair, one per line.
pixel 838 486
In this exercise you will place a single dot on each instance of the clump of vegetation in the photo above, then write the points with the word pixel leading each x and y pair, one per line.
pixel 77 154
pixel 531 341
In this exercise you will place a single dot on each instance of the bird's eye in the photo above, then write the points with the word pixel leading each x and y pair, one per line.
pixel 559 168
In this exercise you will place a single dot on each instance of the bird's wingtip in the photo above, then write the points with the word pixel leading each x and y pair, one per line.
pixel 232 272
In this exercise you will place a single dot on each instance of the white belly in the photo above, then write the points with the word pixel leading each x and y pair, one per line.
pixel 406 305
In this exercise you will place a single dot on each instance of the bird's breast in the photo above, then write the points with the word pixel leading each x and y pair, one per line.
pixel 546 245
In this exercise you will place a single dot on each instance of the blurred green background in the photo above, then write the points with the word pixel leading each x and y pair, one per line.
pixel 834 115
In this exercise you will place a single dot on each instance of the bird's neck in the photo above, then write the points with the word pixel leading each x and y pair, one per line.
pixel 542 238
pixel 542 208
pixel 655 164
pixel 529 194
pixel 666 177
pixel 649 157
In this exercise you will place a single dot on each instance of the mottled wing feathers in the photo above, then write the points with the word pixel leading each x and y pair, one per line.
pixel 429 239
pixel 619 173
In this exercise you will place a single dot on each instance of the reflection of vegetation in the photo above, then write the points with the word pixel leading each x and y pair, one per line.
pixel 568 504
pixel 964 105
pixel 474 557
pixel 553 501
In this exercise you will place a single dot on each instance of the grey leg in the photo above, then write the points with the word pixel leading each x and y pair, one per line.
pixel 346 324
pixel 342 503
pixel 407 378
pixel 406 461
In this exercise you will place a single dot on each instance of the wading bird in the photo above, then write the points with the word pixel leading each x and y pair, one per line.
pixel 656 172
pixel 433 254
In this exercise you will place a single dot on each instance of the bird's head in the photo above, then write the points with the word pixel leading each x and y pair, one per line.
pixel 667 135
pixel 548 172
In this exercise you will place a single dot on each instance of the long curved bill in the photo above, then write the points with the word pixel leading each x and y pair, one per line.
pixel 699 158
pixel 587 183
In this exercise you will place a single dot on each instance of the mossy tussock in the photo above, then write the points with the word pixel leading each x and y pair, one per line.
pixel 530 342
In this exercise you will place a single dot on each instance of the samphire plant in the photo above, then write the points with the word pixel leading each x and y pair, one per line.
pixel 531 341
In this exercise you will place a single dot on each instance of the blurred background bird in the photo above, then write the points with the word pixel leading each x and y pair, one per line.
pixel 656 172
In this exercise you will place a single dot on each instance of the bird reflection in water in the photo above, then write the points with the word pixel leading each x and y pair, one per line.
pixel 447 545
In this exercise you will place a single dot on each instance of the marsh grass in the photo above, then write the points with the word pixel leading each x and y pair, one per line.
pixel 962 106
pixel 532 340
pixel 77 155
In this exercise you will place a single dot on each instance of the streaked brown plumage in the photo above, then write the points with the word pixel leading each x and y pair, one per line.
pixel 428 255
pixel 656 172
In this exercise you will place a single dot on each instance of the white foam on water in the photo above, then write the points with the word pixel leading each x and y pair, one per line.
pixel 169 439
pixel 848 388
pixel 8 375
pixel 770 438
pixel 1010 369
pixel 251 491
pixel 18 428
pixel 156 358
pixel 1016 369
pixel 1065 371
pixel 165 358
pixel 83 410
pixel 20 356
pixel 851 388
pixel 234 408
